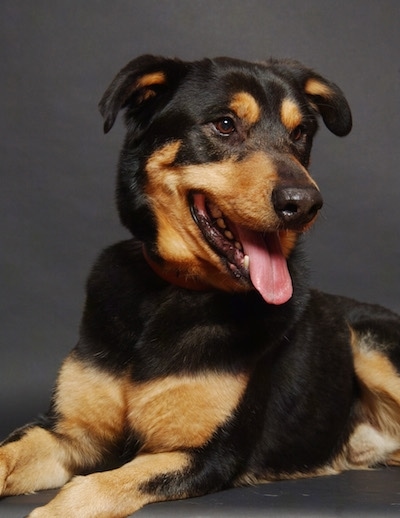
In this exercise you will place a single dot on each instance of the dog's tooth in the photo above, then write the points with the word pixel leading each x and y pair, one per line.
pixel 228 234
pixel 246 262
pixel 238 245
pixel 221 223
pixel 215 212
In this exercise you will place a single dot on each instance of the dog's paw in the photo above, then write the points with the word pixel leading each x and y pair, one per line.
pixel 5 469
pixel 91 496
pixel 71 501
pixel 67 503
pixel 31 463
pixel 80 497
pixel 369 446
pixel 3 477
pixel 41 512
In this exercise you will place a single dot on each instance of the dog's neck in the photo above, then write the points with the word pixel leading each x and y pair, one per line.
pixel 174 276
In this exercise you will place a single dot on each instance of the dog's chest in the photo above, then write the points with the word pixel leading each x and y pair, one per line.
pixel 182 411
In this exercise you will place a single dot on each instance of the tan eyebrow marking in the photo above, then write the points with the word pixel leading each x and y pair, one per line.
pixel 245 107
pixel 290 114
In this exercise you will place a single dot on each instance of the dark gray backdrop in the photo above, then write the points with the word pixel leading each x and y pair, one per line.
pixel 57 168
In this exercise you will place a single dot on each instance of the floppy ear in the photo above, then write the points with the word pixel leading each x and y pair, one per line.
pixel 326 97
pixel 331 104
pixel 143 86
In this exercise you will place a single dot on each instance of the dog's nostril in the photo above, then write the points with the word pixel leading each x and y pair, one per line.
pixel 296 206
pixel 289 209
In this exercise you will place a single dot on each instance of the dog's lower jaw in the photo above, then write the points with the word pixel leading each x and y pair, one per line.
pixel 200 277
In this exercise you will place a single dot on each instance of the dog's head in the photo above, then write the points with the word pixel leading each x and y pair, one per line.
pixel 213 172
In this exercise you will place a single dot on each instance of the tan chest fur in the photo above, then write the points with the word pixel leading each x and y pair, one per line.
pixel 182 411
pixel 167 413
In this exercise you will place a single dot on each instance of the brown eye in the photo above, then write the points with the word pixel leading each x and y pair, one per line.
pixel 225 126
pixel 298 132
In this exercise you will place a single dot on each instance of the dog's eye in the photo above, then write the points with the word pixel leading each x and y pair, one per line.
pixel 298 132
pixel 225 126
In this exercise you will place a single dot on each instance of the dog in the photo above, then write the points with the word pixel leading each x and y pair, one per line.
pixel 205 361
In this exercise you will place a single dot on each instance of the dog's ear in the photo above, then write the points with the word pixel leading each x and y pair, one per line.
pixel 143 86
pixel 326 97
pixel 331 104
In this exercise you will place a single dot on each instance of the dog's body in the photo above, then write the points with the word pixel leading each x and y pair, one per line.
pixel 204 359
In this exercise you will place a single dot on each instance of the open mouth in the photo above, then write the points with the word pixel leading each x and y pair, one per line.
pixel 217 231
pixel 250 256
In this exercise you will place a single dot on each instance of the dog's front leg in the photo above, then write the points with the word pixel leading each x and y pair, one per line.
pixel 32 459
pixel 85 421
pixel 122 491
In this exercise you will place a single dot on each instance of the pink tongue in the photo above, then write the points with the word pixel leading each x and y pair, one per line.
pixel 268 267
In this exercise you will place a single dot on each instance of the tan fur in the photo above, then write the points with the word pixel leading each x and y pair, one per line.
pixel 288 239
pixel 156 78
pixel 92 407
pixel 369 446
pixel 381 385
pixel 114 494
pixel 290 114
pixel 315 87
pixel 167 413
pixel 246 107
pixel 145 83
pixel 182 411
pixel 36 461
pixel 376 437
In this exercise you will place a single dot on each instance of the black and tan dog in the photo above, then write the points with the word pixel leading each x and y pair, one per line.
pixel 204 359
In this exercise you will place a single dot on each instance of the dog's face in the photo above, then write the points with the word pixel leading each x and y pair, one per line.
pixel 213 173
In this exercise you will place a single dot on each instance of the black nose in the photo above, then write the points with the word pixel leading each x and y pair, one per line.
pixel 296 206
